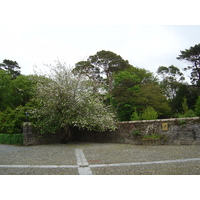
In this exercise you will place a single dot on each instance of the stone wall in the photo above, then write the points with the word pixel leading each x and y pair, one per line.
pixel 175 131
pixel 32 137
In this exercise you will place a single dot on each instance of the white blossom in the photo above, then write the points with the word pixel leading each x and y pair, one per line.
pixel 69 100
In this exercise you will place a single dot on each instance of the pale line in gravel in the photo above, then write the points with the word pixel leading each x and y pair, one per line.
pixel 38 166
pixel 84 167
pixel 145 163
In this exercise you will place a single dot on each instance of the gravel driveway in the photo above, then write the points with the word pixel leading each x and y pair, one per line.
pixel 100 158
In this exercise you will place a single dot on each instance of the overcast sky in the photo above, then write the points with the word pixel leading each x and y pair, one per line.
pixel 37 32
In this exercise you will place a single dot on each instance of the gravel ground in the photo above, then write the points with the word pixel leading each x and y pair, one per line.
pixel 190 168
pixel 95 153
pixel 34 171
pixel 124 153
pixel 38 155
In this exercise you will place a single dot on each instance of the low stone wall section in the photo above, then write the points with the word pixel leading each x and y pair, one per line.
pixel 32 137
pixel 180 131
pixel 184 131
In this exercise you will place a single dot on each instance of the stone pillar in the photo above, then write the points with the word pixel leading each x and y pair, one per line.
pixel 27 133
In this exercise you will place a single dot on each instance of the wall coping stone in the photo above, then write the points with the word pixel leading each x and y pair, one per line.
pixel 158 120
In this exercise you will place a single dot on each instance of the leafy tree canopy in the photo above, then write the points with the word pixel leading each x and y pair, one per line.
pixel 5 89
pixel 170 71
pixel 151 95
pixel 12 67
pixel 184 91
pixel 127 85
pixel 193 56
pixel 14 92
pixel 101 67
pixel 66 100
pixel 171 78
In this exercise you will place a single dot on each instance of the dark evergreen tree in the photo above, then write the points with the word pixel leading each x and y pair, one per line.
pixel 101 67
pixel 12 67
pixel 192 55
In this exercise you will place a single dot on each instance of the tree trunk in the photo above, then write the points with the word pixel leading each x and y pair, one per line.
pixel 68 134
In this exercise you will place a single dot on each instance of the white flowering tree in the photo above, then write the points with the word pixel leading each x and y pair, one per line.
pixel 65 100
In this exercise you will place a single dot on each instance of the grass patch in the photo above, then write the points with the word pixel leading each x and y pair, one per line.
pixel 153 137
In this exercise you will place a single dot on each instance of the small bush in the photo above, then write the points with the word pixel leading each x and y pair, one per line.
pixel 189 113
pixel 153 137
pixel 181 122
pixel 184 105
pixel 11 138
pixel 197 107
pixel 134 131
pixel 135 116
pixel 11 120
pixel 149 113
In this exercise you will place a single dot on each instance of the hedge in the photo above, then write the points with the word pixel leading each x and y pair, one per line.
pixel 16 138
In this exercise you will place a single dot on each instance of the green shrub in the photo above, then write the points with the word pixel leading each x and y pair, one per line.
pixel 16 138
pixel 197 107
pixel 135 116
pixel 135 132
pixel 149 113
pixel 11 120
pixel 181 122
pixel 189 113
pixel 186 112
pixel 184 105
pixel 153 137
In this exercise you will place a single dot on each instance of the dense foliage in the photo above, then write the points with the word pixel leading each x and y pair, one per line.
pixel 95 91
pixel 12 67
pixel 65 100
pixel 193 56
pixel 11 138
pixel 11 120
pixel 101 67
pixel 137 89
pixel 16 90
